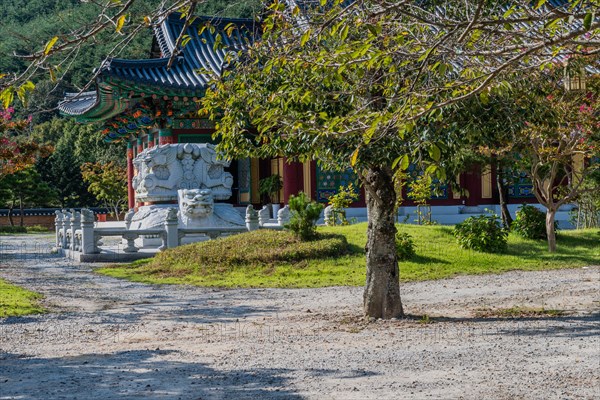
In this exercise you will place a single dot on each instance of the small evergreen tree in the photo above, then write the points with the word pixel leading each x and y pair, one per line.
pixel 304 216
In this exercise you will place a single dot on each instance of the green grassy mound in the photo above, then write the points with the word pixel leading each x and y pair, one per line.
pixel 15 301
pixel 259 258
pixel 276 259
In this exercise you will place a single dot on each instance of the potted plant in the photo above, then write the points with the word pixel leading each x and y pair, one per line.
pixel 269 187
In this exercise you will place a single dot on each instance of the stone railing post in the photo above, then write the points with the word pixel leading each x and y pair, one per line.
pixel 263 216
pixel 171 225
pixel 130 238
pixel 75 224
pixel 252 223
pixel 88 241
pixel 329 216
pixel 283 216
pixel 163 238
pixel 66 224
pixel 58 224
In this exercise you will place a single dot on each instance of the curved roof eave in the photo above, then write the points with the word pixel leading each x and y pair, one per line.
pixel 183 76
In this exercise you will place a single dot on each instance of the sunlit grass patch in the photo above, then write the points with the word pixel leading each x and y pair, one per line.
pixel 16 301
pixel 276 259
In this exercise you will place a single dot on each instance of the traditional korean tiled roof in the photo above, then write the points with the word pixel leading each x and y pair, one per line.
pixel 120 81
pixel 75 104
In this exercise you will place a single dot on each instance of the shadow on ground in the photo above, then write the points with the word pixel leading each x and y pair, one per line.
pixel 135 374
pixel 573 326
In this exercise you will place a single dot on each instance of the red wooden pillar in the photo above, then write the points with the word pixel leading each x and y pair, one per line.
pixel 130 191
pixel 472 182
pixel 150 139
pixel 292 179
pixel 140 145
pixel 165 136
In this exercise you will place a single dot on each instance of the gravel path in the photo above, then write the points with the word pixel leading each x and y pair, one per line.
pixel 106 338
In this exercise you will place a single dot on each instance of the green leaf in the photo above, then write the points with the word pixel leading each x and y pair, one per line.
pixel 354 157
pixel 344 32
pixel 50 44
pixel 484 97
pixel 552 24
pixel 441 174
pixel 540 3
pixel 509 12
pixel 425 55
pixel 402 162
pixel 431 170
pixel 22 91
pixel 7 96
pixel 120 23
pixel 305 37
pixel 587 20
pixel 218 42
pixel 435 153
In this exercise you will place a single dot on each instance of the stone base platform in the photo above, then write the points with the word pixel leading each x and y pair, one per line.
pixel 108 255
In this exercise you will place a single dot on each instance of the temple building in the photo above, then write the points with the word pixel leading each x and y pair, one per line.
pixel 148 103
pixel 145 103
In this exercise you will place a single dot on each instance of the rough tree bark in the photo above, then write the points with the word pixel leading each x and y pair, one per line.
pixel 381 298
pixel 550 217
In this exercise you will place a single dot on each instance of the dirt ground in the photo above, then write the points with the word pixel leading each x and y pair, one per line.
pixel 106 338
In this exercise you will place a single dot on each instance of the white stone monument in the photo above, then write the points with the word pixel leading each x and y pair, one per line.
pixel 190 175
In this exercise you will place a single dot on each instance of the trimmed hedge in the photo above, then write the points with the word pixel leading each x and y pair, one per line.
pixel 13 229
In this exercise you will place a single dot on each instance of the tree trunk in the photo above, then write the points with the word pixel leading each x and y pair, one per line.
pixel 503 197
pixel 381 298
pixel 10 214
pixel 550 215
pixel 116 208
pixel 21 210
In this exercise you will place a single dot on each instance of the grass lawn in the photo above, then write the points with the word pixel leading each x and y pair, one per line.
pixel 253 263
pixel 16 301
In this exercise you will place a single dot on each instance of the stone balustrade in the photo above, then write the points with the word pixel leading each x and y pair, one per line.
pixel 76 231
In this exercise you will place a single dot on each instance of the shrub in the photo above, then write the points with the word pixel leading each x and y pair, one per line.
pixel 38 229
pixel 339 201
pixel 405 246
pixel 482 233
pixel 13 229
pixel 304 216
pixel 530 223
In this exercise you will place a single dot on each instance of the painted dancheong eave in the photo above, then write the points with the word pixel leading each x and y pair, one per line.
pixel 120 83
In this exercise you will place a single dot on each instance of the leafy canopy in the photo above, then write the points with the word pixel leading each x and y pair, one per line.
pixel 363 85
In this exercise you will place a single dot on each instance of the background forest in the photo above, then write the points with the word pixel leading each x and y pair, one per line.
pixel 26 25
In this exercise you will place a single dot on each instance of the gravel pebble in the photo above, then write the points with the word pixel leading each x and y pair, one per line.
pixel 106 338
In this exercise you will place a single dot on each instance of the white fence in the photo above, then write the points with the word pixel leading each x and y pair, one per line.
pixel 76 231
